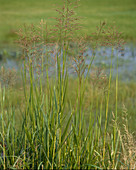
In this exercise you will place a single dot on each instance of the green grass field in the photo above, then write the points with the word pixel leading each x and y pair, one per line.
pixel 15 13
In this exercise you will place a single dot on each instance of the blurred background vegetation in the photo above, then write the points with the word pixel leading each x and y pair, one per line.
pixel 15 13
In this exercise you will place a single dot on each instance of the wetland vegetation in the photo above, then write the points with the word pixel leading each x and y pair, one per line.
pixel 68 101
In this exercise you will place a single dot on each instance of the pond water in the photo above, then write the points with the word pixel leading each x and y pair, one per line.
pixel 126 61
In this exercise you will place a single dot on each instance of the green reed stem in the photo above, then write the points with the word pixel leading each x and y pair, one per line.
pixel 107 105
pixel 3 129
pixel 116 113
pixel 25 94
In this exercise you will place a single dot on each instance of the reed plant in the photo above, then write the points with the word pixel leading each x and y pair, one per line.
pixel 53 132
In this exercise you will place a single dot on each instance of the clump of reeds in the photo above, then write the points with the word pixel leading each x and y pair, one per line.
pixel 51 136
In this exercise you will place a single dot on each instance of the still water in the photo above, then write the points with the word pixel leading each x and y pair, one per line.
pixel 126 61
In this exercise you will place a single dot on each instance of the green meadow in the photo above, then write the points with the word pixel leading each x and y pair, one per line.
pixel 13 14
pixel 61 108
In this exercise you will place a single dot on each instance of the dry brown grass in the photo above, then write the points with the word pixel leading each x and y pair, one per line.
pixel 128 143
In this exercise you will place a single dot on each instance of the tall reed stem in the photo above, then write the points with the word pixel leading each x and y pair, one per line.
pixel 2 90
pixel 107 106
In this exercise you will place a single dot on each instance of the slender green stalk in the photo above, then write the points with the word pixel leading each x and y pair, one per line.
pixel 54 141
pixel 107 106
pixel 3 129
pixel 116 113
